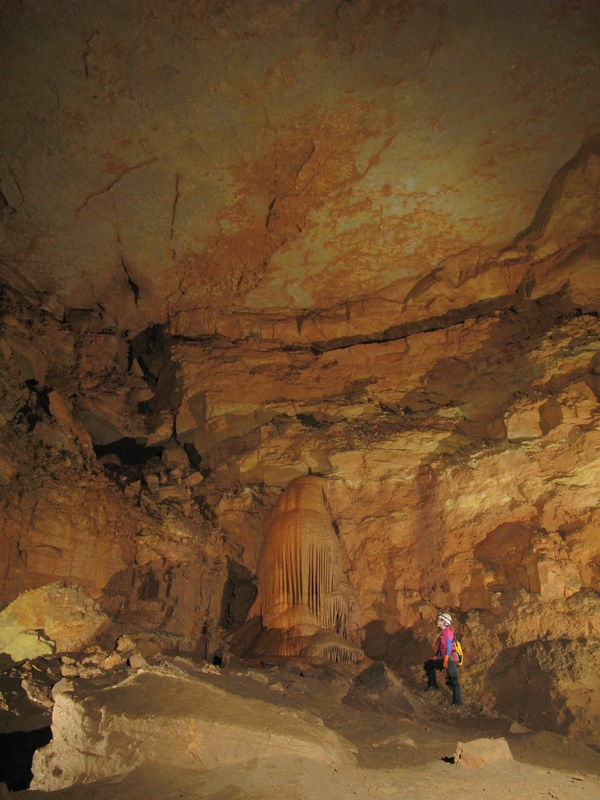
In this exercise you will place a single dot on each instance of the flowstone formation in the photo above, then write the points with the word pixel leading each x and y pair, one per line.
pixel 304 598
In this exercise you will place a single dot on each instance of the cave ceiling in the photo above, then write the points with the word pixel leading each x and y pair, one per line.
pixel 181 162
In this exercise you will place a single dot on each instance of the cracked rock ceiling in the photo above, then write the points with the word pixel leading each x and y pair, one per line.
pixel 182 161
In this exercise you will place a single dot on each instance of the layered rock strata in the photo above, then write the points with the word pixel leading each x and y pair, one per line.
pixel 460 465
pixel 449 401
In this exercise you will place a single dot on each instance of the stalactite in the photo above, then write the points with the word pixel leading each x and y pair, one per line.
pixel 304 598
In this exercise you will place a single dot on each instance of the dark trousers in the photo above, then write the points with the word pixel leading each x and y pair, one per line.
pixel 434 664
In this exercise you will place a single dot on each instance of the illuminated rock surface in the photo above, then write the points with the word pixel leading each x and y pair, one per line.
pixel 201 158
pixel 175 730
pixel 163 718
pixel 354 244
pixel 53 617
pixel 305 603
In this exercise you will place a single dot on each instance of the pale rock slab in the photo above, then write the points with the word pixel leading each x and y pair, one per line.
pixel 21 645
pixel 174 456
pixel 160 716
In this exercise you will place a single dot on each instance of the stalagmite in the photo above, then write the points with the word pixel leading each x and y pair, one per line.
pixel 304 598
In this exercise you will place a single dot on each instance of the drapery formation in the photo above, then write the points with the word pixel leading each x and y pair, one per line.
pixel 304 598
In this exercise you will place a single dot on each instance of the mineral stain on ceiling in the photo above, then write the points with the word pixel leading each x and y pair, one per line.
pixel 169 161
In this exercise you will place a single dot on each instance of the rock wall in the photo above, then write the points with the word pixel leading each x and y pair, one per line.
pixel 65 515
pixel 460 464
pixel 198 320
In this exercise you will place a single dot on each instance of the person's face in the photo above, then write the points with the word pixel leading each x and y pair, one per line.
pixel 440 624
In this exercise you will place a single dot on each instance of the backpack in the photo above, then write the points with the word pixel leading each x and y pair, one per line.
pixel 459 652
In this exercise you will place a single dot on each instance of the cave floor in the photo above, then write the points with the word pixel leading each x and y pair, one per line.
pixel 403 742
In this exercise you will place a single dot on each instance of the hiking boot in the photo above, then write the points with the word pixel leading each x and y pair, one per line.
pixel 432 689
pixel 456 703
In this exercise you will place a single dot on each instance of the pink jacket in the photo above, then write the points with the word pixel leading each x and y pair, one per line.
pixel 445 645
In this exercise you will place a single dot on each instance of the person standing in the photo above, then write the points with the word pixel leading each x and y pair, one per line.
pixel 446 658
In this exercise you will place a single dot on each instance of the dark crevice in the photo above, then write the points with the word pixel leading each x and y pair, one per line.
pixel 152 350
pixel 174 208
pixel 16 756
pixel 42 400
pixel 406 329
pixel 239 593
pixel 6 204
pixel 205 508
pixel 193 455
pixel 38 406
pixel 310 421
pixel 203 338
pixel 149 586
pixel 396 332
pixel 591 147
pixel 563 310
pixel 515 303
pixel 133 286
pixel 128 451
pixel 112 183
pixel 269 212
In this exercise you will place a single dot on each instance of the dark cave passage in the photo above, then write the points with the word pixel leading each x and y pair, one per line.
pixel 16 756
pixel 128 451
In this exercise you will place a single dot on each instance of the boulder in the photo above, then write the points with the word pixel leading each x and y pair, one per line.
pixel 52 618
pixel 163 717
pixel 481 753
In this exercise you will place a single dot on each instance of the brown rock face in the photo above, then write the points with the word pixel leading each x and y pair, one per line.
pixel 249 249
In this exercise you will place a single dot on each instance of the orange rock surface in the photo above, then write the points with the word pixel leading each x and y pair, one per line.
pixel 250 245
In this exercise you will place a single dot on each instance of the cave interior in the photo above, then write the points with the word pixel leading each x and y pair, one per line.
pixel 299 347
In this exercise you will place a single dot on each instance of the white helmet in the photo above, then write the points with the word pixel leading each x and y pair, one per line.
pixel 445 619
